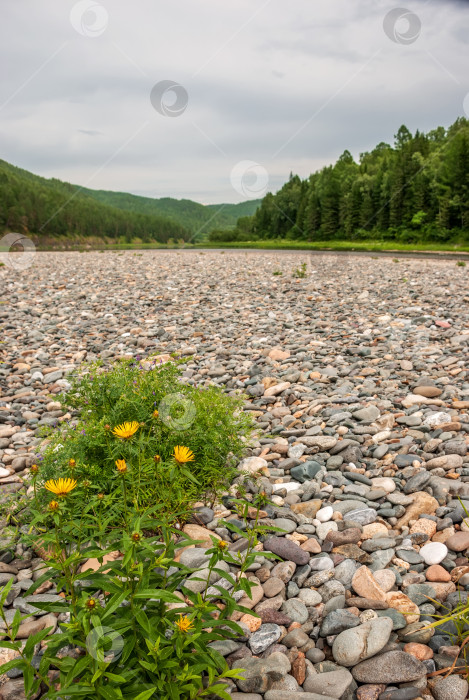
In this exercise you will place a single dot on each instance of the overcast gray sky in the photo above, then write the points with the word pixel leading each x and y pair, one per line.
pixel 287 85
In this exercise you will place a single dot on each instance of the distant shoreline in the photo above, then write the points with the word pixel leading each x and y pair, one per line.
pixel 446 252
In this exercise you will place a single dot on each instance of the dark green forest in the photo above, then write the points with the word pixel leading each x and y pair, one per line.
pixel 414 191
pixel 197 218
pixel 50 208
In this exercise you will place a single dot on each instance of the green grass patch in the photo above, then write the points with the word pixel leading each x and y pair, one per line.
pixel 364 245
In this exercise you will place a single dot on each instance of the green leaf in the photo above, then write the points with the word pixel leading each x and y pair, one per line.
pixel 28 678
pixel 146 694
pixel 14 663
pixel 10 645
pixel 35 639
pixel 97 674
pixel 5 591
pixel 17 620
pixel 115 677
pixel 111 693
pixel 78 668
pixel 114 603
pixel 158 594
pixel 143 621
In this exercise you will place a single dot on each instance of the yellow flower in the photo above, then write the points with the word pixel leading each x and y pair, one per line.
pixel 155 414
pixel 184 624
pixel 71 463
pixel 183 454
pixel 90 603
pixel 135 537
pixel 222 545
pixel 53 506
pixel 126 430
pixel 34 469
pixel 121 466
pixel 157 459
pixel 61 487
pixel 100 496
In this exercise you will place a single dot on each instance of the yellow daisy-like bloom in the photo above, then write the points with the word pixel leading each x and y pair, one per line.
pixel 135 537
pixel 222 545
pixel 61 487
pixel 34 469
pixel 72 463
pixel 121 466
pixel 157 459
pixel 126 430
pixel 184 624
pixel 183 454
pixel 90 603
pixel 53 506
pixel 155 414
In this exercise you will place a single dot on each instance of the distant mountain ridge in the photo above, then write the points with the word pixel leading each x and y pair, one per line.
pixel 198 218
pixel 51 208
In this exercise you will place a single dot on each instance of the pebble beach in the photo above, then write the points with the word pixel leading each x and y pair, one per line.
pixel 357 376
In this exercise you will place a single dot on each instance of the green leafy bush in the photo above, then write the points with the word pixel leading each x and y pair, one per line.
pixel 139 630
pixel 167 413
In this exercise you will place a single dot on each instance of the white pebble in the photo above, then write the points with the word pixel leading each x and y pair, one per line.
pixel 4 472
pixel 324 514
pixel 288 486
pixel 433 552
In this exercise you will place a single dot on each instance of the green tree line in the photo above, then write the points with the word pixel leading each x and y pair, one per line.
pixel 414 191
pixel 50 208
pixel 43 207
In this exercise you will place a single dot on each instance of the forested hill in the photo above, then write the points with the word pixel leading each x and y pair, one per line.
pixel 200 218
pixel 414 191
pixel 50 208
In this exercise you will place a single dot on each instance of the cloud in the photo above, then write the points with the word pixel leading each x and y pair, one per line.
pixel 288 89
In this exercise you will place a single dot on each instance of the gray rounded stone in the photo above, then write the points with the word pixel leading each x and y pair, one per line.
pixel 354 645
pixel 265 636
pixel 296 610
pixel 393 667
pixel 451 688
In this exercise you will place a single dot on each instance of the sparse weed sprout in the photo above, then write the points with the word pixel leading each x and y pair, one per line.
pixel 300 272
pixel 461 263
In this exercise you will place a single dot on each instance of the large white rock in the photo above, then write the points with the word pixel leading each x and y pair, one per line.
pixel 325 514
pixel 289 486
pixel 438 418
pixel 252 464
pixel 433 552
pixel 385 483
